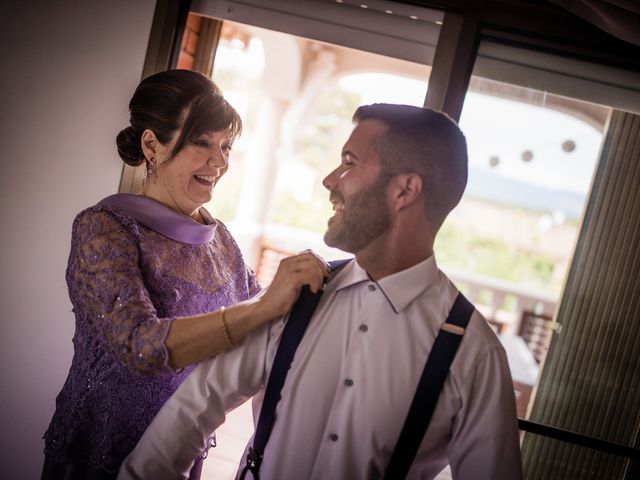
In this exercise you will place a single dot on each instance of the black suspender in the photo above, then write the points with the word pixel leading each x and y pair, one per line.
pixel 426 397
pixel 424 401
pixel 292 333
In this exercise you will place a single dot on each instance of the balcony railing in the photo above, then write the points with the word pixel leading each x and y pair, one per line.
pixel 502 303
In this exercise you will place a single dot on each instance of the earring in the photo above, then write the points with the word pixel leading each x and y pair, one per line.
pixel 151 165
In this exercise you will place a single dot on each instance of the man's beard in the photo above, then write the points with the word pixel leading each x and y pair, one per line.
pixel 364 218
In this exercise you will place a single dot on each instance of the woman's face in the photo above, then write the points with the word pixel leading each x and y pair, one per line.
pixel 186 182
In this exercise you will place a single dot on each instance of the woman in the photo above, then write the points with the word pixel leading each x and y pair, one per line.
pixel 149 276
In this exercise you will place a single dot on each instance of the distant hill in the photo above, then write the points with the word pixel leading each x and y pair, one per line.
pixel 497 188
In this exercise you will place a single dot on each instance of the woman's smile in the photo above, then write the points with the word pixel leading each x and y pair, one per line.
pixel 205 180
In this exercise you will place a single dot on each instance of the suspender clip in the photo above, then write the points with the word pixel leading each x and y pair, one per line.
pixel 254 459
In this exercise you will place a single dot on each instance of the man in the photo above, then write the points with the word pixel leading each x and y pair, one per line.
pixel 354 374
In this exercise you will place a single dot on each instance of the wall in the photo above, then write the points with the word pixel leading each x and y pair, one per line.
pixel 189 42
pixel 67 75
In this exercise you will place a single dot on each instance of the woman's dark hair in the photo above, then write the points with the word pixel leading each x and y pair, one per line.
pixel 168 101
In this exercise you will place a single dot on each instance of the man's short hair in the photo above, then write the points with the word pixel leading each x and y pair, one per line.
pixel 426 142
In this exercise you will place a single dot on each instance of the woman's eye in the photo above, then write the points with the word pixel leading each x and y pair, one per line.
pixel 202 143
pixel 226 149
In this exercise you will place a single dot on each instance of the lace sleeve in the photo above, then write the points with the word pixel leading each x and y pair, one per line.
pixel 106 287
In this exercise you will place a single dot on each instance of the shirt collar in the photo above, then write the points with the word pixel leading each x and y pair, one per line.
pixel 400 288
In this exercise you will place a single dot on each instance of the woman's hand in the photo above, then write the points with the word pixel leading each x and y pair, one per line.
pixel 306 268
pixel 193 339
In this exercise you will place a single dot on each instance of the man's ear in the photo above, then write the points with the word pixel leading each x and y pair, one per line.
pixel 407 190
pixel 149 144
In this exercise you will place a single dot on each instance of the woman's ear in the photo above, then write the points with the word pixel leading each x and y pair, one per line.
pixel 149 144
pixel 408 189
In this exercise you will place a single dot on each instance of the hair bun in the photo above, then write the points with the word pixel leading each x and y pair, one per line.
pixel 128 142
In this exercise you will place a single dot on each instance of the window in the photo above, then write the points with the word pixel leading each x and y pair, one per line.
pixel 508 245
pixel 534 122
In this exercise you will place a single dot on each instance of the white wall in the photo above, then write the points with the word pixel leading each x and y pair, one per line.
pixel 66 78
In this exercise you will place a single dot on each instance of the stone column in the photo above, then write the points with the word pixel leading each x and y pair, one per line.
pixel 280 86
pixel 261 171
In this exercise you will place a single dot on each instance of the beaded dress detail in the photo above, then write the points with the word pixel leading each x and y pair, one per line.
pixel 135 265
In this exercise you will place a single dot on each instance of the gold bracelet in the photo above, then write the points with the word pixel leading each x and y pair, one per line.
pixel 225 329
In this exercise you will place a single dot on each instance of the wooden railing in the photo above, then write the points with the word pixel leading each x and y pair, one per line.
pixel 503 304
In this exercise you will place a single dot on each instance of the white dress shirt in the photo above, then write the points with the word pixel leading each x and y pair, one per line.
pixel 349 389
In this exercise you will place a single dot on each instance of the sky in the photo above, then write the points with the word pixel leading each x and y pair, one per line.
pixel 505 129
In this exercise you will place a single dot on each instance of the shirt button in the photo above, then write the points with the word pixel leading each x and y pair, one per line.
pixel 372 288
pixel 348 382
pixel 364 328
pixel 333 437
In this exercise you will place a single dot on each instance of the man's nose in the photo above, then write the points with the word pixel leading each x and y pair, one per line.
pixel 329 181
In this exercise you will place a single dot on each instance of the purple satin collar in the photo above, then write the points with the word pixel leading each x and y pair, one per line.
pixel 162 219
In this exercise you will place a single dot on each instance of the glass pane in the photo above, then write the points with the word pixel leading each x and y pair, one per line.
pixel 296 98
pixel 532 156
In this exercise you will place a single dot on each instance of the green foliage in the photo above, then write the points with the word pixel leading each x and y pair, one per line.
pixel 492 257
pixel 320 142
pixel 319 146
pixel 310 216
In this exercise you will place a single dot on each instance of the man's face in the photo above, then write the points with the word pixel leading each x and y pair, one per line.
pixel 358 192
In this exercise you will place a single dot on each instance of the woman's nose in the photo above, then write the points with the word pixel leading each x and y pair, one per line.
pixel 219 160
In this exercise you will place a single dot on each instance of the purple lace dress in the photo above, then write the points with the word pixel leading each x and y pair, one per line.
pixel 134 266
